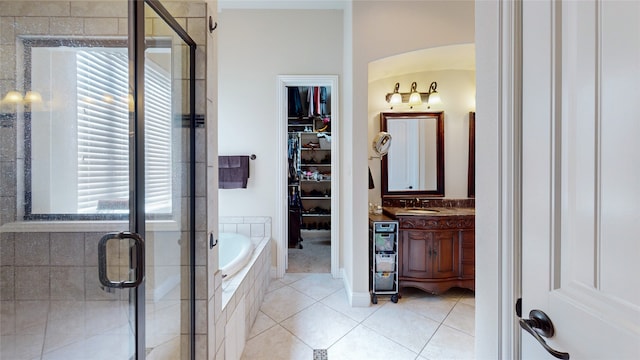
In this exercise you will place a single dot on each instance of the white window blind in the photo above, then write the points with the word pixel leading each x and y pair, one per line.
pixel 103 134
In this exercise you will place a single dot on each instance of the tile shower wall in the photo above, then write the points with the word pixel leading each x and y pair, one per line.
pixel 63 266
pixel 53 266
pixel 43 265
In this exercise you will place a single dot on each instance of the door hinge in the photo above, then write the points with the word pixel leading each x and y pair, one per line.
pixel 519 307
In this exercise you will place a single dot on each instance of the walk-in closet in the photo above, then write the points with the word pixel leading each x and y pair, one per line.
pixel 309 178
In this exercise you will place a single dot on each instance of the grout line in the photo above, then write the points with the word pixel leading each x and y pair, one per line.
pixel 46 326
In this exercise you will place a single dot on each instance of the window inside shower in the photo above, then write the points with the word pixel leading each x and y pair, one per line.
pixel 77 131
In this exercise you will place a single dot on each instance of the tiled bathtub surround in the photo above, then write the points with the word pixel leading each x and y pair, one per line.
pixel 242 294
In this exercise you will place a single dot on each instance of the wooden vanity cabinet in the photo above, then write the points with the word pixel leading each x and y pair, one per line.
pixel 437 253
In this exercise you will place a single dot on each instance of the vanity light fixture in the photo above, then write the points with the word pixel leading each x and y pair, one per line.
pixel 15 97
pixel 414 97
pixel 32 97
pixel 9 103
pixel 395 98
pixel 433 97
pixel 12 97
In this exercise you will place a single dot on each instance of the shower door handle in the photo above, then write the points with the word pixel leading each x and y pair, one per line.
pixel 136 260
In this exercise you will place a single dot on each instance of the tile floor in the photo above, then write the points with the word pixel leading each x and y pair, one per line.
pixel 302 312
pixel 83 330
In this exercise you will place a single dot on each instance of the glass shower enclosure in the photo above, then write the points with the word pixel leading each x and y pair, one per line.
pixel 97 150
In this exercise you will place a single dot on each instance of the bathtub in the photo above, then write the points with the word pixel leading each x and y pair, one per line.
pixel 234 253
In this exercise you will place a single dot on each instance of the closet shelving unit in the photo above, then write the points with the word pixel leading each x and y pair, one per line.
pixel 311 163
pixel 315 182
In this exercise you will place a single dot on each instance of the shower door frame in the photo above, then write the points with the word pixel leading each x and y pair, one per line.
pixel 136 34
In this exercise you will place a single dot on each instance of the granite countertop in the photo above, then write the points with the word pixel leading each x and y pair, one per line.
pixel 394 212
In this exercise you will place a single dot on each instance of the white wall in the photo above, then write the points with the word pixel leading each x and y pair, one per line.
pixel 457 89
pixel 255 47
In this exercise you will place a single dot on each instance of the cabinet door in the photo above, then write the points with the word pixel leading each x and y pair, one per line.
pixel 444 254
pixel 468 256
pixel 416 246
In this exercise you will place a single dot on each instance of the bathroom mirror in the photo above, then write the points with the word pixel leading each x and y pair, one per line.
pixel 414 165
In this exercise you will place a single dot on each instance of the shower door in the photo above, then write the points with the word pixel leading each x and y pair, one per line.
pixel 96 154
pixel 161 203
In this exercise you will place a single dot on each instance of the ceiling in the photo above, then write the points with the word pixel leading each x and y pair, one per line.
pixel 451 57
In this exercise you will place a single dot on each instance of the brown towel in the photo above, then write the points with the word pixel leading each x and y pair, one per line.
pixel 233 171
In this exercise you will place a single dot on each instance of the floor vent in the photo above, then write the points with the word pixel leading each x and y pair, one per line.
pixel 320 354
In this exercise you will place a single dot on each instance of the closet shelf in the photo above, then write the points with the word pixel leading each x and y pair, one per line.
pixel 315 181
pixel 315 197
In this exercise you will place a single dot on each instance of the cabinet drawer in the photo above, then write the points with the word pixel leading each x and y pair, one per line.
pixel 385 241
pixel 381 227
pixel 385 262
pixel 385 281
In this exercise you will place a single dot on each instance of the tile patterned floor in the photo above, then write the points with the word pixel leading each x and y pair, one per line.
pixel 84 330
pixel 302 312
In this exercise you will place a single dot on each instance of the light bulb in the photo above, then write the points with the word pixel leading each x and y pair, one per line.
pixel 415 98
pixel 434 98
pixel 396 99
pixel 13 97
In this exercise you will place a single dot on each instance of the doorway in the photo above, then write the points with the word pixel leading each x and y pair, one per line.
pixel 309 169
pixel 97 184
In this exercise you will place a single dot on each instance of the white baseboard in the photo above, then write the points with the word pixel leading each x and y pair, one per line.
pixel 359 299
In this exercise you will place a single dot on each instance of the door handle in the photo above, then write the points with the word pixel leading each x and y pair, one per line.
pixel 540 325
pixel 136 260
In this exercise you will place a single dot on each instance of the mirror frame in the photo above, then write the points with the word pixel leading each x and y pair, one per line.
pixel 471 171
pixel 385 117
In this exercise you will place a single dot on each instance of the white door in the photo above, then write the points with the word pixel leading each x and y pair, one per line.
pixel 581 176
